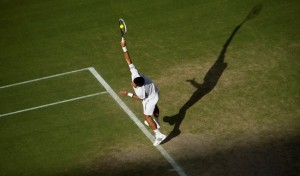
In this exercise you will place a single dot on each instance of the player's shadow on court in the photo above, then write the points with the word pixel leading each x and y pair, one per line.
pixel 209 82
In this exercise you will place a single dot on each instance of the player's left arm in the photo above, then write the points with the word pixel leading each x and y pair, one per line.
pixel 132 95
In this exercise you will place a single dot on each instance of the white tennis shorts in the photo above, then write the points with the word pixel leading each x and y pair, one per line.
pixel 149 105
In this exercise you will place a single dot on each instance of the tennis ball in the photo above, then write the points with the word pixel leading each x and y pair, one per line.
pixel 121 26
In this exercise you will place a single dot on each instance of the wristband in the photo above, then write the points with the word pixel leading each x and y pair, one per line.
pixel 130 94
pixel 124 49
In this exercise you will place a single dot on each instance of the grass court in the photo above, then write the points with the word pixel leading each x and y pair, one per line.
pixel 229 87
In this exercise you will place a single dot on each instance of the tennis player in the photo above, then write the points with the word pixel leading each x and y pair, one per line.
pixel 144 90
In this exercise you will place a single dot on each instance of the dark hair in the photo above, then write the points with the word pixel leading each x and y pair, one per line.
pixel 139 81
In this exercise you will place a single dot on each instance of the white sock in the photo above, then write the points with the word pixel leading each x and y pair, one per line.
pixel 157 132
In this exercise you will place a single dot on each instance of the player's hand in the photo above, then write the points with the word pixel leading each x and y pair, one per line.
pixel 123 92
pixel 123 42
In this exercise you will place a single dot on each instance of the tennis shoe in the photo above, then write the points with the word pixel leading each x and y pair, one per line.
pixel 159 139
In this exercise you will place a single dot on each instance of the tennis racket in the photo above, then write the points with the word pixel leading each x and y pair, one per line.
pixel 123 28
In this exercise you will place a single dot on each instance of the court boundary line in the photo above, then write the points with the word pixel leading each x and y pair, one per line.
pixel 43 78
pixel 52 104
pixel 49 104
pixel 163 152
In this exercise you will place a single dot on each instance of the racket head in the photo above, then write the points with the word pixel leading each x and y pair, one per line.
pixel 124 29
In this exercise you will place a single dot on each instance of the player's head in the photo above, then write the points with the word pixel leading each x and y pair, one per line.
pixel 139 81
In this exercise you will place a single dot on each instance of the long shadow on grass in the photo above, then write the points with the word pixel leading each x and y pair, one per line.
pixel 210 80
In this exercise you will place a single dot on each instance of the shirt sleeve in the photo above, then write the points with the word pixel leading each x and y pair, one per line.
pixel 134 72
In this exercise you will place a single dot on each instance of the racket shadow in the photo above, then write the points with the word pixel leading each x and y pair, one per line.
pixel 209 82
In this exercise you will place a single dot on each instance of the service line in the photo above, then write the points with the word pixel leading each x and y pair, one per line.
pixel 52 104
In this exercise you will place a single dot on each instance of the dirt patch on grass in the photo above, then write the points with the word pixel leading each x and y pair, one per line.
pixel 206 155
pixel 133 161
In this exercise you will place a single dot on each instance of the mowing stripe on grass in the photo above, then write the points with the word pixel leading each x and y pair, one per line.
pixel 164 153
pixel 52 104
pixel 47 77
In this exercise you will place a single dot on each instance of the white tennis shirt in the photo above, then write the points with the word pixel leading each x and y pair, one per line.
pixel 148 90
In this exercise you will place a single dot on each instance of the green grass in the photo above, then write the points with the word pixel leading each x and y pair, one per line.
pixel 59 139
pixel 248 124
pixel 47 91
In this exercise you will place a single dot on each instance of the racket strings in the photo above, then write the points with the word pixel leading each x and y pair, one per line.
pixel 122 26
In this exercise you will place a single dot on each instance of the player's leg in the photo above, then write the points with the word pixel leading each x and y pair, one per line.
pixel 150 122
pixel 149 106
pixel 156 115
pixel 156 111
pixel 159 137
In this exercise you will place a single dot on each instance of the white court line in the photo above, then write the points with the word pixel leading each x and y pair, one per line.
pixel 164 153
pixel 39 79
pixel 52 104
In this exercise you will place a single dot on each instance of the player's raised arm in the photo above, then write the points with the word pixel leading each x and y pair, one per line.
pixel 126 53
